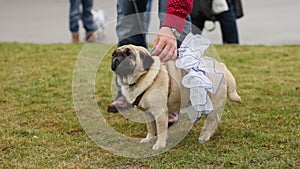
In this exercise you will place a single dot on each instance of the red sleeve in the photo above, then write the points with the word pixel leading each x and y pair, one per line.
pixel 177 11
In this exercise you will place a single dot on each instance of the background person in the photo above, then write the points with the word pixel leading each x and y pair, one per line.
pixel 75 14
pixel 202 12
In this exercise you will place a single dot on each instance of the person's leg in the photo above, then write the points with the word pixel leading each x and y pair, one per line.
pixel 147 15
pixel 130 26
pixel 162 10
pixel 74 16
pixel 187 29
pixel 228 25
pixel 130 30
pixel 87 18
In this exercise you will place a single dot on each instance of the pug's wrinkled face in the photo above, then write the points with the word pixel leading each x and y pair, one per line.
pixel 129 60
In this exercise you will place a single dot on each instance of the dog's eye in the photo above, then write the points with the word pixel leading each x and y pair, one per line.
pixel 127 52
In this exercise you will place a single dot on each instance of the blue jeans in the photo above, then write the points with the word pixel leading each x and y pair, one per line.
pixel 147 15
pixel 227 22
pixel 86 16
pixel 131 29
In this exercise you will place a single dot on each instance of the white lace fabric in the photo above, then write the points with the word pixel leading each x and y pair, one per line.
pixel 204 74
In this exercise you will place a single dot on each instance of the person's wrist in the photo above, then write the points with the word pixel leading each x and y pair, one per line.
pixel 174 31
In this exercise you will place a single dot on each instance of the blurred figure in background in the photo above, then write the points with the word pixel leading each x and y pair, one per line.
pixel 85 15
pixel 203 11
pixel 99 18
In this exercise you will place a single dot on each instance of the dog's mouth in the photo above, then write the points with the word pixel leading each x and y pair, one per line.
pixel 132 84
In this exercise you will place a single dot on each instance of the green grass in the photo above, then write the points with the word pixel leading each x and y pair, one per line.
pixel 39 127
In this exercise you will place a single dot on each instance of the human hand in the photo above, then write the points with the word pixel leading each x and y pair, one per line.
pixel 165 45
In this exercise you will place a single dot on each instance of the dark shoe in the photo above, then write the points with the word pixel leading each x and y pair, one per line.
pixel 173 119
pixel 75 37
pixel 119 104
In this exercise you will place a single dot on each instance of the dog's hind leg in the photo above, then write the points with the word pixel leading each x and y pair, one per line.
pixel 213 118
pixel 151 128
pixel 211 125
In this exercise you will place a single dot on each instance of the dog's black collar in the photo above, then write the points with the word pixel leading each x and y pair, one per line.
pixel 138 99
pixel 130 85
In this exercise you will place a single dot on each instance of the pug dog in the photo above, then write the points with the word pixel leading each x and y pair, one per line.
pixel 155 88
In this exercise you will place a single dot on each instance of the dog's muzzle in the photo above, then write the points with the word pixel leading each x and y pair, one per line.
pixel 115 63
pixel 122 66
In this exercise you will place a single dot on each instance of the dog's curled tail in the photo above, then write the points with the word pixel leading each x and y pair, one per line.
pixel 231 86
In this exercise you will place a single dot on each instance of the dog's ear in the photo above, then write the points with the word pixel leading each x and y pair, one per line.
pixel 147 59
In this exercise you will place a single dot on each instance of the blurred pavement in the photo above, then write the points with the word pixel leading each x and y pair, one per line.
pixel 268 22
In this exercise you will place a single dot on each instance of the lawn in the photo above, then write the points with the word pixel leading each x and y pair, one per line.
pixel 40 129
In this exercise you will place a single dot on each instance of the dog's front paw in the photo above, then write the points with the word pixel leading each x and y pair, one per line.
pixel 147 140
pixel 203 138
pixel 158 146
